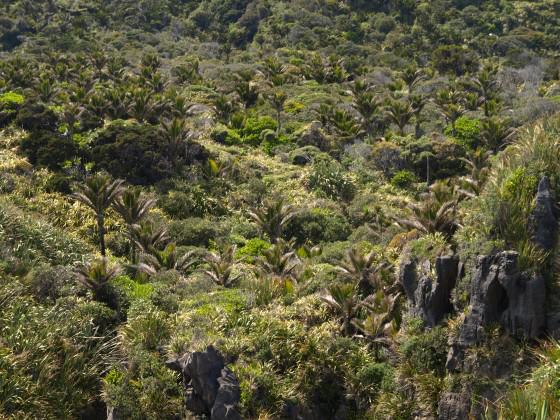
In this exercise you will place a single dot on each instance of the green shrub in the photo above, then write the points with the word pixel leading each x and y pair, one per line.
pixel 467 131
pixel 318 225
pixel 192 201
pixel 133 152
pixel 403 179
pixel 252 248
pixel 45 148
pixel 376 376
pixel 329 179
pixel 9 104
pixel 11 100
pixel 426 351
pixel 195 231
pixel 34 116
pixel 225 135
pixel 253 129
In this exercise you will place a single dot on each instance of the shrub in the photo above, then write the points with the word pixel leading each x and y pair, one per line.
pixel 318 225
pixel 133 152
pixel 253 128
pixel 35 115
pixel 192 201
pixel 403 179
pixel 50 283
pixel 387 157
pixel 10 102
pixel 467 131
pixel 225 135
pixel 252 248
pixel 444 157
pixel 454 59
pixel 426 352
pixel 49 149
pixel 329 179
pixel 195 231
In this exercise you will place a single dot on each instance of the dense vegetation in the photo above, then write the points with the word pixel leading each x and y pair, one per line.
pixel 250 174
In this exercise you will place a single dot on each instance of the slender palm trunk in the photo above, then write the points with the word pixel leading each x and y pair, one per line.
pixel 279 122
pixel 101 229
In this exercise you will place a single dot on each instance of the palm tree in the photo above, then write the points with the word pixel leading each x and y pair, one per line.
pixel 496 132
pixel 363 270
pixel 224 107
pixel 99 193
pixel 246 89
pixel 274 70
pixel 149 237
pixel 343 299
pixel 451 102
pixel 133 207
pixel 412 76
pixel 96 276
pixel 141 106
pixel 176 135
pixel 221 266
pixel 418 102
pixel 367 104
pixel 280 260
pixel 166 259
pixel 379 326
pixel 277 100
pixel 486 85
pixel 400 113
pixel 473 183
pixel 272 219
pixel 437 212
pixel 345 124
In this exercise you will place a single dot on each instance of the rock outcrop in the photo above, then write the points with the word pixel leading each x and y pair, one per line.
pixel 429 298
pixel 454 405
pixel 501 294
pixel 544 219
pixel 210 387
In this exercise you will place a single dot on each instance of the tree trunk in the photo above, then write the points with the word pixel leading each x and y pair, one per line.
pixel 101 228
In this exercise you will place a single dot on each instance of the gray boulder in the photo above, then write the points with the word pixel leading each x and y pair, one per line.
pixel 210 387
pixel 429 298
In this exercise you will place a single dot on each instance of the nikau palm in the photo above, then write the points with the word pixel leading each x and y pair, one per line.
pixel 343 299
pixel 96 276
pixel 437 212
pixel 166 259
pixel 133 207
pixel 99 193
pixel 364 270
pixel 272 219
pixel 220 267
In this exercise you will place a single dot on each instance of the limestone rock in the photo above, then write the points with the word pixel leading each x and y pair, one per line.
pixel 544 219
pixel 501 294
pixel 210 387
pixel 430 298
pixel 454 406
